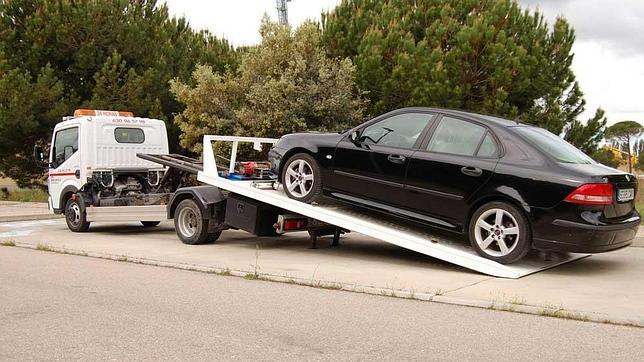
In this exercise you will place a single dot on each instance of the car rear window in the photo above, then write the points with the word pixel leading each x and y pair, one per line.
pixel 553 145
pixel 129 135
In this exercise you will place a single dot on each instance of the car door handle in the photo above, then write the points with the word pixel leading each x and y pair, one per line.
pixel 396 158
pixel 471 171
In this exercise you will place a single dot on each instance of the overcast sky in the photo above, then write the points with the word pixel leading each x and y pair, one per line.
pixel 609 52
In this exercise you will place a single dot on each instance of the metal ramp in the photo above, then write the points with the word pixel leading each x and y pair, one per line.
pixel 366 223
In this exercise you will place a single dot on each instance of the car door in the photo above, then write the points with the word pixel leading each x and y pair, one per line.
pixel 64 163
pixel 373 165
pixel 457 158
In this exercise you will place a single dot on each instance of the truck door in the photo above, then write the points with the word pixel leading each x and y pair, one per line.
pixel 64 164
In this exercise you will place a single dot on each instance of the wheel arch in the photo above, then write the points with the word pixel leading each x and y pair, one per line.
pixel 290 153
pixel 66 194
pixel 204 197
pixel 521 206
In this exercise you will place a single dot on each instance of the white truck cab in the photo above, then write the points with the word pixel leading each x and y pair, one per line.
pixel 95 151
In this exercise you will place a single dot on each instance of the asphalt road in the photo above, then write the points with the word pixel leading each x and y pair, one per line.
pixel 55 306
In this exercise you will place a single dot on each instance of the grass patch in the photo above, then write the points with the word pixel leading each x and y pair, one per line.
pixel 23 195
pixel 7 243
pixel 251 276
pixel 43 247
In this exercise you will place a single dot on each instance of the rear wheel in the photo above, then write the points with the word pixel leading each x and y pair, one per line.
pixel 301 178
pixel 189 223
pixel 149 224
pixel 499 231
pixel 75 216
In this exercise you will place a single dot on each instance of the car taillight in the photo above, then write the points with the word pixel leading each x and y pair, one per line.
pixel 592 194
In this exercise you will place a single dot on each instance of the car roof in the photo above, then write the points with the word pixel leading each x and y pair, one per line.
pixel 476 116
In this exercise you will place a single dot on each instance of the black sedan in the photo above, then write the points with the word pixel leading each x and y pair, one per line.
pixel 508 186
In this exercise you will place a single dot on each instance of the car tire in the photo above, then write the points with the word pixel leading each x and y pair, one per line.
pixel 499 231
pixel 189 223
pixel 149 224
pixel 302 179
pixel 75 216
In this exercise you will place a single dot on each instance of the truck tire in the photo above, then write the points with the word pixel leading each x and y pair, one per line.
pixel 212 237
pixel 75 216
pixel 149 224
pixel 189 223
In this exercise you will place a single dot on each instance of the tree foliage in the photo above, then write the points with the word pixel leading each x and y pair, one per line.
pixel 116 54
pixel 587 137
pixel 487 56
pixel 625 132
pixel 606 157
pixel 286 84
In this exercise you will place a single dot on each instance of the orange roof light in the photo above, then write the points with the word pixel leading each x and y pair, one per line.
pixel 95 112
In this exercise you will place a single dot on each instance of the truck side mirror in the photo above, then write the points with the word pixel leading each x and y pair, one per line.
pixel 39 154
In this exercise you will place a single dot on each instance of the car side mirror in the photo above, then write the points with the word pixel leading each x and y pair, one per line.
pixel 355 138
pixel 39 154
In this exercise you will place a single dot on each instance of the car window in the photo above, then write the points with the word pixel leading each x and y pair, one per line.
pixel 553 145
pixel 65 145
pixel 456 136
pixel 129 135
pixel 401 130
pixel 488 147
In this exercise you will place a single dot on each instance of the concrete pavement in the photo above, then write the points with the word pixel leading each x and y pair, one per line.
pixel 21 211
pixel 604 287
pixel 61 307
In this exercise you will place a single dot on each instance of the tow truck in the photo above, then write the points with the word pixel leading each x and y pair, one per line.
pixel 109 166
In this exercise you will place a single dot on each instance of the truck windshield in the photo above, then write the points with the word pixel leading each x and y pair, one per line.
pixel 553 145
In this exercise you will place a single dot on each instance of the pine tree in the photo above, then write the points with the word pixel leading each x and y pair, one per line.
pixel 104 54
pixel 487 56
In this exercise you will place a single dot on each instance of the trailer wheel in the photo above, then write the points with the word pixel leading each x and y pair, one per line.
pixel 149 224
pixel 302 179
pixel 190 224
pixel 75 216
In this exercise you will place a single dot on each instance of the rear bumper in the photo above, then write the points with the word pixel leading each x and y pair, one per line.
pixel 570 236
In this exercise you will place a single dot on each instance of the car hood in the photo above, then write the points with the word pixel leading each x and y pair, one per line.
pixel 318 138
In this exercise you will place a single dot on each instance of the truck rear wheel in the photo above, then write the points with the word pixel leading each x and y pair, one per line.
pixel 149 224
pixel 190 224
pixel 75 216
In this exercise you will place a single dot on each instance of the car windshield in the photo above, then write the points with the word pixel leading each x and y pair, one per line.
pixel 553 145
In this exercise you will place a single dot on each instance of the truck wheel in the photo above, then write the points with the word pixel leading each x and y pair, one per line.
pixel 500 232
pixel 302 179
pixel 75 216
pixel 212 237
pixel 149 224
pixel 190 224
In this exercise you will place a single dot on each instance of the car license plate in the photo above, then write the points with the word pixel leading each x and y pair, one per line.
pixel 625 195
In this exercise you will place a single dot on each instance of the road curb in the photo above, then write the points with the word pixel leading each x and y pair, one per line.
pixel 438 297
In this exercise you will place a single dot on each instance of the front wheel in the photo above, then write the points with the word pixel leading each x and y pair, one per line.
pixel 75 216
pixel 499 231
pixel 302 179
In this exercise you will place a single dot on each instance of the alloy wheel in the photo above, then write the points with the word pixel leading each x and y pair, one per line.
pixel 496 232
pixel 299 178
